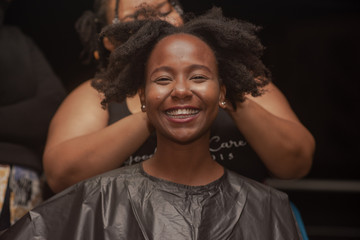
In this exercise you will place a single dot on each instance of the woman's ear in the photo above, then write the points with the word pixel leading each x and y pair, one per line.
pixel 141 93
pixel 108 45
pixel 222 96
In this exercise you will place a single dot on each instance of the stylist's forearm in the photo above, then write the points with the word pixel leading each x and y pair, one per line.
pixel 88 155
pixel 286 147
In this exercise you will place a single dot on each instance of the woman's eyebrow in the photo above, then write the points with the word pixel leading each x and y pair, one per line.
pixel 189 68
pixel 162 68
pixel 199 66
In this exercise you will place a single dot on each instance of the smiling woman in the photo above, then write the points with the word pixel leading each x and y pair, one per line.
pixel 181 97
pixel 270 138
pixel 190 72
pixel 180 192
pixel 182 86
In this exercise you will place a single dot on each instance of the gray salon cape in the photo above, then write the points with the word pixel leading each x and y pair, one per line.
pixel 127 203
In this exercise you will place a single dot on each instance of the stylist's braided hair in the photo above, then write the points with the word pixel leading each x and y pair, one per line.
pixel 89 26
pixel 237 50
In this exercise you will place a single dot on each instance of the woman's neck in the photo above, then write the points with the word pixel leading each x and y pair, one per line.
pixel 189 164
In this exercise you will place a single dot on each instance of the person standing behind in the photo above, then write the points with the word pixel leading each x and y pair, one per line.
pixel 262 137
pixel 181 192
pixel 30 93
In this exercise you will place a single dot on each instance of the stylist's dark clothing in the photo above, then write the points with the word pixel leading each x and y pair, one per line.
pixel 227 145
pixel 30 93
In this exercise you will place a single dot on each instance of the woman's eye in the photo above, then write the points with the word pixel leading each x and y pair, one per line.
pixel 199 78
pixel 163 81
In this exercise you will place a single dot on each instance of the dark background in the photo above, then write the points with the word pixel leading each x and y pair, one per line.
pixel 314 54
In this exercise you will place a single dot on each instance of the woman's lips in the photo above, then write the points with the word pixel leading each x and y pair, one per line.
pixel 182 114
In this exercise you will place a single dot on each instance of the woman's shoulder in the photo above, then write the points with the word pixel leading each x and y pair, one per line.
pixel 116 176
pixel 255 189
pixel 98 185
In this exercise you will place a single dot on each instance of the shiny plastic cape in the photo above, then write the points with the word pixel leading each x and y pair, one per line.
pixel 127 203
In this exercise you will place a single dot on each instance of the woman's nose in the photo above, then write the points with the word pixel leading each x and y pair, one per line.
pixel 182 89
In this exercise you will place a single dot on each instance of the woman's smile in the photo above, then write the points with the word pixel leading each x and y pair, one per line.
pixel 182 114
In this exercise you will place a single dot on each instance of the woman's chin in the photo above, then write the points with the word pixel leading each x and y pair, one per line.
pixel 182 136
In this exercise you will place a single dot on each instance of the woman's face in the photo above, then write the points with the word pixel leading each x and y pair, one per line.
pixel 127 8
pixel 182 91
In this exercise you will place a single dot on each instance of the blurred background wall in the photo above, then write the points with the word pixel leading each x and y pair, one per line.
pixel 313 52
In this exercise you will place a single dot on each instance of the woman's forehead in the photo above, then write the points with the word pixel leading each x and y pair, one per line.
pixel 183 48
pixel 189 39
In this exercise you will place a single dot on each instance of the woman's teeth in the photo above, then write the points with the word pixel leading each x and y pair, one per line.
pixel 182 113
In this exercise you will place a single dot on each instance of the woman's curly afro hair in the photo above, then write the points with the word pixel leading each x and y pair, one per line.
pixel 237 50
